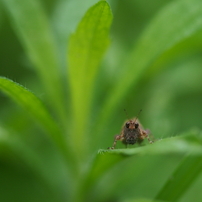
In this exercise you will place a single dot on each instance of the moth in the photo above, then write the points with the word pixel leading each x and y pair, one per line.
pixel 131 133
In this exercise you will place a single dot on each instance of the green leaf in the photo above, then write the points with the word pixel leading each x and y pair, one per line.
pixel 174 23
pixel 22 150
pixel 185 144
pixel 86 48
pixel 189 143
pixel 182 178
pixel 141 200
pixel 68 13
pixel 35 108
pixel 100 165
pixel 13 147
pixel 32 26
pixel 180 144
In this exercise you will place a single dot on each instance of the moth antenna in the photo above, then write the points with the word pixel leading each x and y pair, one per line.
pixel 138 115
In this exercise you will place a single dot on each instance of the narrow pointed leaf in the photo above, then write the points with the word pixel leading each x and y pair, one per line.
pixel 182 178
pixel 86 48
pixel 34 107
pixel 32 27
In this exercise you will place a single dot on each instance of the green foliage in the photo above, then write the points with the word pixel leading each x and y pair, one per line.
pixel 36 108
pixel 163 33
pixel 32 26
pixel 86 48
pixel 78 103
pixel 185 174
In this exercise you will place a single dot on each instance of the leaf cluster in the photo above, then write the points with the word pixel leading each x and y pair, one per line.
pixel 83 70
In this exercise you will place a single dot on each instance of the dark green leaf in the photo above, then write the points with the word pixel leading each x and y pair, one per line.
pixel 32 26
pixel 183 177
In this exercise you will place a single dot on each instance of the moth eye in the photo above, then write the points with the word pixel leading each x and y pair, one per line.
pixel 136 125
pixel 127 125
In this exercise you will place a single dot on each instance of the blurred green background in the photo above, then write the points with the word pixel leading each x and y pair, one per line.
pixel 169 93
pixel 170 98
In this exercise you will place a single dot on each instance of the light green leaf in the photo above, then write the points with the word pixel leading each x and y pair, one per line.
pixel 35 108
pixel 32 26
pixel 189 143
pixel 180 144
pixel 174 23
pixel 86 48
pixel 66 16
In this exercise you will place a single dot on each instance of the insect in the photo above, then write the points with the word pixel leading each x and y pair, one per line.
pixel 132 132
